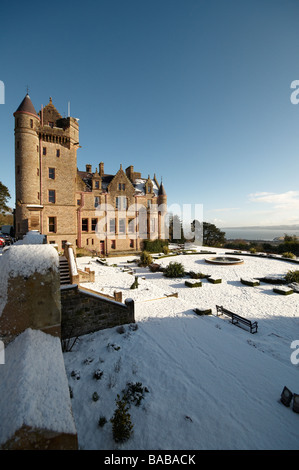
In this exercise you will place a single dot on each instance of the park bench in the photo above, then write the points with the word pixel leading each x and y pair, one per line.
pixel 237 319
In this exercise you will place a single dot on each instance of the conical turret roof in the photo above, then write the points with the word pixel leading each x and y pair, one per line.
pixel 26 106
pixel 161 191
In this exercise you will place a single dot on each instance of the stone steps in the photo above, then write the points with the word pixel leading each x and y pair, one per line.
pixel 64 271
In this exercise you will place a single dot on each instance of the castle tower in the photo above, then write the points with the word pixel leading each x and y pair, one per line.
pixel 162 204
pixel 46 170
pixel 27 181
pixel 59 141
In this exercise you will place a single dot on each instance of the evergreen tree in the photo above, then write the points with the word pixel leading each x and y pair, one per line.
pixel 122 426
pixel 212 236
pixel 4 196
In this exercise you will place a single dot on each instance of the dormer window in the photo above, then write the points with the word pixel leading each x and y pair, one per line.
pixel 121 186
pixel 51 124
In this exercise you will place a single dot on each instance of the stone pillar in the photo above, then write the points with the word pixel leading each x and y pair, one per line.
pixel 30 291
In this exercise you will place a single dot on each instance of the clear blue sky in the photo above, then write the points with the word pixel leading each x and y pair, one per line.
pixel 196 91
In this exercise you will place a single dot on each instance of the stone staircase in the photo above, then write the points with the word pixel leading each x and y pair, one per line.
pixel 64 271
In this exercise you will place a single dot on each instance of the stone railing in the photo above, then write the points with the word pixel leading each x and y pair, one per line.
pixel 77 275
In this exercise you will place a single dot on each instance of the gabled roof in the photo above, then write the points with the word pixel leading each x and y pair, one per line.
pixel 138 185
pixel 26 106
pixel 87 178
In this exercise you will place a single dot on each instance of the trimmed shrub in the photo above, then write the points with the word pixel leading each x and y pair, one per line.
pixel 102 421
pixel 288 255
pixel 134 393
pixel 292 276
pixel 165 250
pixel 145 259
pixel 194 275
pixel 122 426
pixel 155 246
pixel 193 283
pixel 174 269
pixel 283 290
pixel 135 283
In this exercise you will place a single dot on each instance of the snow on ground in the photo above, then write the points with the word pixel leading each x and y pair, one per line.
pixel 212 385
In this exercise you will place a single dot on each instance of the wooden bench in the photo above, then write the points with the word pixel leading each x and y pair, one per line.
pixel 237 319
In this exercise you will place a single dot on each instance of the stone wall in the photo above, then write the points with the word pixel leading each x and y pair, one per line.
pixel 30 285
pixel 84 312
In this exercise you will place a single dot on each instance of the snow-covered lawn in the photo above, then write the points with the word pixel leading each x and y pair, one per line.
pixel 212 385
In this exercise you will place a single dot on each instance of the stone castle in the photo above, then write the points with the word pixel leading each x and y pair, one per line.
pixel 90 209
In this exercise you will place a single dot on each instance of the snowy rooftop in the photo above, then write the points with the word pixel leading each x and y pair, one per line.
pixel 33 386
pixel 139 186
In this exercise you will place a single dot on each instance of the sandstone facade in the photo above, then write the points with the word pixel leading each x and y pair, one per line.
pixel 90 209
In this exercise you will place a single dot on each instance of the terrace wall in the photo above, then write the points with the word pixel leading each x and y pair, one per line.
pixel 84 312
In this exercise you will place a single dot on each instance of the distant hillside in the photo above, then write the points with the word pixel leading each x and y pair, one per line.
pixel 264 227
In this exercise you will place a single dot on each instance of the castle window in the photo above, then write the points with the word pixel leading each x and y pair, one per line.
pixel 153 225
pixel 93 224
pixel 57 153
pixel 121 186
pixel 122 226
pixel 112 226
pixel 96 201
pixel 18 169
pixel 113 244
pixel 96 184
pixel 31 123
pixel 52 224
pixel 121 203
pixel 52 173
pixel 51 124
pixel 52 196
pixel 78 202
pixel 84 225
pixel 131 243
pixel 18 144
pixel 44 150
pixel 131 226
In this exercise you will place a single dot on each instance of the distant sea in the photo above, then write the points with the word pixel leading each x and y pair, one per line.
pixel 256 234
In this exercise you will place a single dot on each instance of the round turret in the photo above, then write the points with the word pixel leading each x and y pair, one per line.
pixel 27 181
